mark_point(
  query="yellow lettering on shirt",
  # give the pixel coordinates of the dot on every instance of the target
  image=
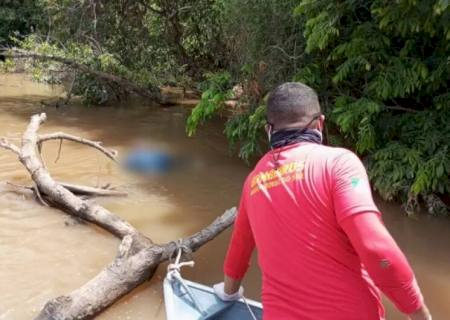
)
(268, 179)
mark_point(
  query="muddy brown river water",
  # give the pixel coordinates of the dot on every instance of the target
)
(44, 254)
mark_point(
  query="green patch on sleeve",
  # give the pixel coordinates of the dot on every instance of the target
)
(355, 181)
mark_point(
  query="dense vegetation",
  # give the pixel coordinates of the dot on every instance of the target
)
(381, 69)
(18, 17)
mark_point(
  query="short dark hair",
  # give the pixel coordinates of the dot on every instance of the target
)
(292, 102)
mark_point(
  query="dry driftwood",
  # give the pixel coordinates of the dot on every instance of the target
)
(76, 189)
(152, 93)
(137, 258)
(112, 154)
(91, 191)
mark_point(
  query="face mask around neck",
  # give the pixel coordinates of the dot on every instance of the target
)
(285, 137)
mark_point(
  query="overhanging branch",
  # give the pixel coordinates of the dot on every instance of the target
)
(152, 93)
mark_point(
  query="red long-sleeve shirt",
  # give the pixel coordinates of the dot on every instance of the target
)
(309, 210)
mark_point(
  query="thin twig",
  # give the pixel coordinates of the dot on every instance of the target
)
(92, 191)
(401, 109)
(39, 146)
(59, 150)
(79, 190)
(285, 53)
(110, 153)
(5, 144)
(19, 186)
(34, 189)
(38, 196)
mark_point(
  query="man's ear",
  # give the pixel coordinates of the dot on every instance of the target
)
(321, 122)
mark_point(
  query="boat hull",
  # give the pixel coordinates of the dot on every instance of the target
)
(181, 306)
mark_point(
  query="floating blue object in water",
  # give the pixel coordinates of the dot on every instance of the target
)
(149, 161)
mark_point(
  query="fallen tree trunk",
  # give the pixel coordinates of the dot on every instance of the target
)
(152, 92)
(137, 258)
(133, 265)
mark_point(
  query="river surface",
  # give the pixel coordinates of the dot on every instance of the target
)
(45, 254)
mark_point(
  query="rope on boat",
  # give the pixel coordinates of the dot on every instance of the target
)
(173, 272)
(249, 308)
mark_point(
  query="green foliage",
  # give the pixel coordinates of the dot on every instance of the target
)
(150, 42)
(216, 90)
(18, 18)
(263, 45)
(398, 169)
(381, 69)
(355, 119)
(7, 66)
(246, 132)
(416, 160)
(262, 31)
(84, 85)
(384, 68)
(320, 29)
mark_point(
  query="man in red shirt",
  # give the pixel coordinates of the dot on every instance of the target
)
(322, 246)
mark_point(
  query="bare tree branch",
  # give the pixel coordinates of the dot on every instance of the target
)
(59, 150)
(399, 108)
(78, 190)
(112, 154)
(39, 196)
(5, 144)
(198, 239)
(91, 191)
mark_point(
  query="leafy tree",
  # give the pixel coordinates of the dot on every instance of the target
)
(18, 18)
(150, 42)
(382, 70)
(384, 67)
(264, 47)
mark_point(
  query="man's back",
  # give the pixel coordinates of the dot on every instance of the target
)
(309, 211)
(310, 269)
